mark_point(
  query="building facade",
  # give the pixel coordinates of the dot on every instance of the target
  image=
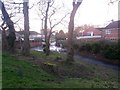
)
(111, 32)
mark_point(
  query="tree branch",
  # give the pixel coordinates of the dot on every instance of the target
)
(59, 21)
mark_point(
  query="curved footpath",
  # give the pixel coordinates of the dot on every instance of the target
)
(93, 60)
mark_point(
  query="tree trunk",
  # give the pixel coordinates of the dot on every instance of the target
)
(47, 51)
(11, 35)
(26, 44)
(4, 40)
(70, 53)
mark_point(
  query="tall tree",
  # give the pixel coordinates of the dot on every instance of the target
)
(70, 53)
(4, 37)
(11, 35)
(45, 29)
(26, 44)
(47, 16)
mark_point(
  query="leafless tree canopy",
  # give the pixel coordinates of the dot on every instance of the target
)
(48, 12)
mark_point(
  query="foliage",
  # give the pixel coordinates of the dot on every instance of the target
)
(111, 52)
(76, 46)
(52, 56)
(96, 47)
(85, 47)
(60, 36)
(108, 50)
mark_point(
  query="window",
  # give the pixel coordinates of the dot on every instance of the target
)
(90, 34)
(108, 31)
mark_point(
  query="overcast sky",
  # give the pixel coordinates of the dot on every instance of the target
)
(91, 12)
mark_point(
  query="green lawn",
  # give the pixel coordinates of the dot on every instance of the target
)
(24, 74)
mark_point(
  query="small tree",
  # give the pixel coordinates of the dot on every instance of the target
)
(60, 36)
(70, 52)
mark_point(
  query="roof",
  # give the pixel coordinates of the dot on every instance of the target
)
(31, 32)
(101, 28)
(88, 37)
(114, 24)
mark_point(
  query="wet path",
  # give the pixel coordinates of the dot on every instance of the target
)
(96, 62)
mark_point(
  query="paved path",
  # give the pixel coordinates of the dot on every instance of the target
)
(97, 62)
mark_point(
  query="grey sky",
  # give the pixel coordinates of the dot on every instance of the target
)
(91, 12)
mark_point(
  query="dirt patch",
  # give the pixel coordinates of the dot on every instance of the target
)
(75, 71)
(68, 71)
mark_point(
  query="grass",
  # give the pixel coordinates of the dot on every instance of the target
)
(24, 74)
(52, 56)
(18, 73)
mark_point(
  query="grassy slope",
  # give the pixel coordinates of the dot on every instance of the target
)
(19, 73)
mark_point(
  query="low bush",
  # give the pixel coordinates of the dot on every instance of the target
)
(111, 52)
(95, 48)
(85, 47)
(108, 50)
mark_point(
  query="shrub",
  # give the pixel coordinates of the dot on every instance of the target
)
(88, 47)
(82, 48)
(96, 47)
(76, 46)
(111, 52)
(118, 49)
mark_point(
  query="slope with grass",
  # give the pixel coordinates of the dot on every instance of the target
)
(25, 74)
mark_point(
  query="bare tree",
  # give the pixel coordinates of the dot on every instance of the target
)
(4, 39)
(11, 36)
(45, 30)
(13, 9)
(26, 44)
(55, 24)
(47, 17)
(70, 53)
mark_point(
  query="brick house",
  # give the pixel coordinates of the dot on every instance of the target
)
(34, 37)
(111, 31)
(90, 33)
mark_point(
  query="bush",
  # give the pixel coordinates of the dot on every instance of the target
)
(88, 47)
(76, 46)
(82, 48)
(96, 48)
(111, 52)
